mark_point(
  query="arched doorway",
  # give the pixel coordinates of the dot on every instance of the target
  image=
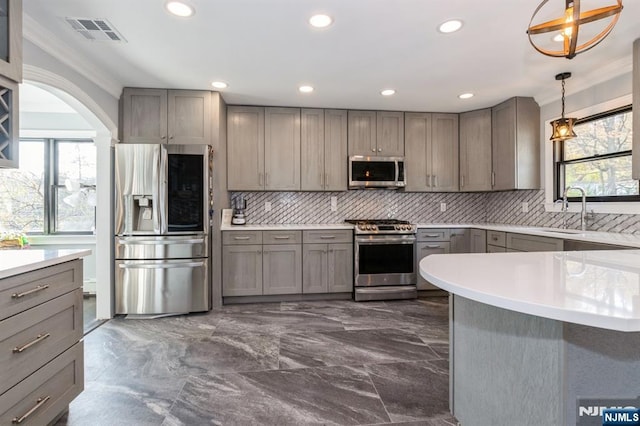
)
(105, 134)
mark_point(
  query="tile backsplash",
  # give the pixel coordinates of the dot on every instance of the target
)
(461, 207)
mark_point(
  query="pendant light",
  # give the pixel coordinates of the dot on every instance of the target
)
(562, 128)
(569, 25)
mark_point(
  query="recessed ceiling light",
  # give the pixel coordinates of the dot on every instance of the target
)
(305, 89)
(466, 96)
(219, 84)
(320, 21)
(180, 9)
(387, 92)
(450, 26)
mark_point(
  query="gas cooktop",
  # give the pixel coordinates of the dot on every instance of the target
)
(382, 226)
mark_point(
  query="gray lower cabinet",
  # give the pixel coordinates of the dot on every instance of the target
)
(282, 269)
(460, 240)
(523, 242)
(328, 268)
(424, 249)
(242, 270)
(477, 241)
(41, 351)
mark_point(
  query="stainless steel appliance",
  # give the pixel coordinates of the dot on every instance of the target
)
(384, 260)
(376, 172)
(163, 208)
(239, 207)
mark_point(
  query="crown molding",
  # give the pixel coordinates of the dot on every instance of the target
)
(50, 43)
(596, 76)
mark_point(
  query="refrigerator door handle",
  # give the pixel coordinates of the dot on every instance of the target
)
(161, 242)
(160, 265)
(161, 206)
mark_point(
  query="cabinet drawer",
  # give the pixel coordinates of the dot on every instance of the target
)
(30, 339)
(39, 398)
(30, 289)
(329, 236)
(495, 249)
(282, 237)
(496, 238)
(241, 237)
(522, 242)
(433, 235)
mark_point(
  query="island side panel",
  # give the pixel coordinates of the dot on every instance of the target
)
(600, 364)
(506, 366)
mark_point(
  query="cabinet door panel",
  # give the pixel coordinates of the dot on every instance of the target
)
(362, 133)
(315, 279)
(335, 150)
(189, 119)
(11, 40)
(475, 150)
(444, 152)
(340, 268)
(423, 250)
(312, 149)
(478, 241)
(245, 148)
(242, 270)
(282, 149)
(390, 133)
(417, 142)
(282, 269)
(459, 241)
(503, 127)
(144, 116)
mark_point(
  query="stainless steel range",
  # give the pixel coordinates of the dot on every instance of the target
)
(384, 261)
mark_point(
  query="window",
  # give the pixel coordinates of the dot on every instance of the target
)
(53, 191)
(598, 160)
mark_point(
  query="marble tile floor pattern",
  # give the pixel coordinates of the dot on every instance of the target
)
(289, 363)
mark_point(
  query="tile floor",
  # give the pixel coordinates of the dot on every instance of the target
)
(334, 362)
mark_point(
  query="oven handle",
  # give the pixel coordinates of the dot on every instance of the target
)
(385, 240)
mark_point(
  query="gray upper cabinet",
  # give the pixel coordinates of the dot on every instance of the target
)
(431, 146)
(516, 144)
(245, 148)
(165, 116)
(9, 123)
(282, 149)
(390, 133)
(323, 150)
(475, 150)
(362, 133)
(376, 133)
(11, 39)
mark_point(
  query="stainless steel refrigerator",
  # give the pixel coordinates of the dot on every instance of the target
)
(163, 205)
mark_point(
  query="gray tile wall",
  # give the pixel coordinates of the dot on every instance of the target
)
(496, 207)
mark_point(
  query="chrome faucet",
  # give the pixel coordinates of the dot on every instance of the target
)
(583, 211)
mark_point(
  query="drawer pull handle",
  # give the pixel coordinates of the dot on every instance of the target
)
(327, 237)
(282, 238)
(26, 293)
(434, 246)
(432, 235)
(39, 338)
(494, 238)
(241, 238)
(39, 403)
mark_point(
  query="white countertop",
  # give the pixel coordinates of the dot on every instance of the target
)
(227, 226)
(14, 262)
(594, 288)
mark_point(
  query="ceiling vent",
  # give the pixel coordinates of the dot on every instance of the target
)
(96, 29)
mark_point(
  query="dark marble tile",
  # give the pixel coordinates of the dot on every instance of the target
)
(333, 395)
(412, 390)
(331, 304)
(351, 347)
(434, 331)
(248, 307)
(276, 322)
(442, 349)
(123, 401)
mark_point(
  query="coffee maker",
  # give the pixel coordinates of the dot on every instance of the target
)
(239, 206)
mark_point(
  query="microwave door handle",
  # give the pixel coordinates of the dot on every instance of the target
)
(397, 171)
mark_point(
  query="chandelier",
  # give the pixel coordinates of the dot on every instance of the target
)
(562, 128)
(569, 26)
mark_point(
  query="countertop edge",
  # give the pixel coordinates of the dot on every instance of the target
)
(31, 265)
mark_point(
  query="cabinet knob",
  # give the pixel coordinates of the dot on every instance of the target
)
(171, 137)
(373, 149)
(163, 137)
(379, 149)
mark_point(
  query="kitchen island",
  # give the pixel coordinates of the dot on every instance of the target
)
(541, 338)
(41, 351)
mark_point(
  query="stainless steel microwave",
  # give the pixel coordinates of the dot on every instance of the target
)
(376, 172)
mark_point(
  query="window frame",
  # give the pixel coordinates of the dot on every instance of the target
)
(559, 162)
(51, 185)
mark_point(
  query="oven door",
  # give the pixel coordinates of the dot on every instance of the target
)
(384, 260)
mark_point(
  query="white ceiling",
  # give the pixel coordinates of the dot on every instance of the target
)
(265, 49)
